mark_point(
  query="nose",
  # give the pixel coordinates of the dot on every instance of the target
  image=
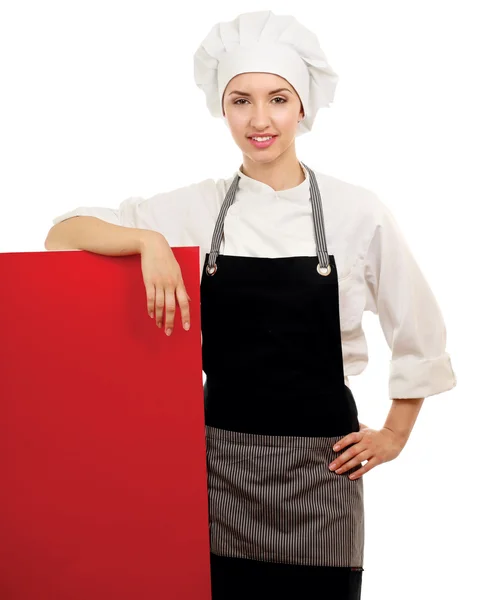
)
(260, 118)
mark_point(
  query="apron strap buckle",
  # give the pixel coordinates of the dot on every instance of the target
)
(323, 270)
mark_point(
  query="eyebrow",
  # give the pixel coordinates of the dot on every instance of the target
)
(273, 92)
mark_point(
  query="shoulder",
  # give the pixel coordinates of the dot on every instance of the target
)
(212, 191)
(203, 189)
(353, 213)
(187, 200)
(348, 194)
(353, 203)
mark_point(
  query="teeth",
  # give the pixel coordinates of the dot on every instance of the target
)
(262, 139)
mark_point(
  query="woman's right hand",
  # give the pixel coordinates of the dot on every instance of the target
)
(163, 281)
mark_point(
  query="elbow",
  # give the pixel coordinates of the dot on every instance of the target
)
(48, 242)
(57, 238)
(51, 241)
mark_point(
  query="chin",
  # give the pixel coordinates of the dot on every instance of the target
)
(264, 156)
(267, 158)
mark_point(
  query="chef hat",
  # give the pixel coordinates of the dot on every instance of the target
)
(264, 42)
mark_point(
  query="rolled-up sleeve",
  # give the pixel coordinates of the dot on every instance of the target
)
(409, 315)
(111, 215)
(134, 211)
(174, 213)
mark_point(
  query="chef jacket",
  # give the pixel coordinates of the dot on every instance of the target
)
(376, 269)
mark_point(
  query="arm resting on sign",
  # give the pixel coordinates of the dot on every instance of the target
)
(98, 236)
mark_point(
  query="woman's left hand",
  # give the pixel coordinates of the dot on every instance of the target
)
(375, 446)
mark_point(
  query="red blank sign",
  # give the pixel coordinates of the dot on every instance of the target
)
(102, 445)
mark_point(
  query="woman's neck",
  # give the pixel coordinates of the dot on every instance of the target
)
(282, 174)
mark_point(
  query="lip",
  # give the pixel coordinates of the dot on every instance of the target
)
(262, 135)
(263, 144)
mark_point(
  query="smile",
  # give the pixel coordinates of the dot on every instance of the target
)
(263, 142)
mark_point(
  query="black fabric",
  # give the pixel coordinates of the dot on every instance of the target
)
(272, 348)
(255, 580)
(272, 354)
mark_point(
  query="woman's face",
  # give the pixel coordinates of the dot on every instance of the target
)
(255, 104)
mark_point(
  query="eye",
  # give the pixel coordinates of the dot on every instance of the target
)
(276, 98)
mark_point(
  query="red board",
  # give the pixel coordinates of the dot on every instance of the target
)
(102, 444)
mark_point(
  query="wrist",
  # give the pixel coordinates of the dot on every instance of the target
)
(147, 237)
(400, 437)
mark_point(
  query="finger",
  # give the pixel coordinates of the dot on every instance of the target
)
(169, 309)
(159, 304)
(183, 300)
(356, 460)
(348, 455)
(150, 291)
(352, 438)
(365, 468)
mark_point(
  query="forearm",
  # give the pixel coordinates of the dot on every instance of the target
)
(402, 416)
(95, 235)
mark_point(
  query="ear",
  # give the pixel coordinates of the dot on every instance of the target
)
(222, 104)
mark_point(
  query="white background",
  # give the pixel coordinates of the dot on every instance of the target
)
(98, 103)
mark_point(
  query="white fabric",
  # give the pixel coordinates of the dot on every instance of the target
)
(263, 42)
(377, 271)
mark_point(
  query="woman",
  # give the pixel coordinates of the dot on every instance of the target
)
(290, 260)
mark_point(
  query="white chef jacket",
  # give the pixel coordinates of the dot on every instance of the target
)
(376, 269)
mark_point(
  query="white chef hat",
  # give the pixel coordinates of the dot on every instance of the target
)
(264, 42)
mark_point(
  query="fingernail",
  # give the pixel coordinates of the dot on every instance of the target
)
(168, 331)
(151, 315)
(332, 466)
(336, 447)
(186, 326)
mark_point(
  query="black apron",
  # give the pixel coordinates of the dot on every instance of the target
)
(282, 525)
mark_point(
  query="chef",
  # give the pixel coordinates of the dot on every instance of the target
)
(290, 259)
